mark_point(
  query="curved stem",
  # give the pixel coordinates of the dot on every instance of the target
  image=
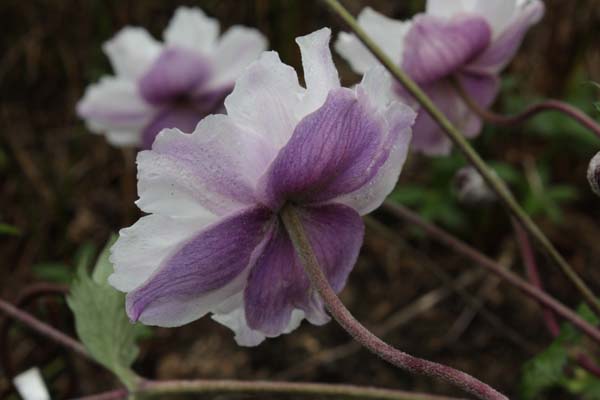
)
(486, 262)
(361, 334)
(462, 143)
(548, 105)
(44, 329)
(288, 388)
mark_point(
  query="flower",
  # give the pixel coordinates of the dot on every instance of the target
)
(469, 41)
(593, 174)
(168, 85)
(214, 241)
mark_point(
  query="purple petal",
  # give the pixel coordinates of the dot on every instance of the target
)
(278, 284)
(435, 47)
(503, 48)
(483, 89)
(428, 137)
(333, 151)
(207, 262)
(183, 118)
(173, 76)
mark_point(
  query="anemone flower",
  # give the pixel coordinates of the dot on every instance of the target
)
(465, 42)
(214, 241)
(167, 85)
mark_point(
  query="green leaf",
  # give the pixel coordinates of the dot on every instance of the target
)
(544, 371)
(100, 319)
(53, 272)
(9, 230)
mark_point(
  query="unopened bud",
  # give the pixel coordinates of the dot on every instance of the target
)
(594, 174)
(471, 188)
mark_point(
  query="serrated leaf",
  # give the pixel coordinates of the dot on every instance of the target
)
(100, 319)
(544, 371)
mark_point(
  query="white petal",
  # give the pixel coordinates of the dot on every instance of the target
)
(266, 98)
(191, 28)
(237, 48)
(386, 32)
(355, 53)
(498, 13)
(446, 8)
(379, 85)
(142, 248)
(131, 52)
(320, 74)
(231, 314)
(114, 105)
(212, 171)
(123, 138)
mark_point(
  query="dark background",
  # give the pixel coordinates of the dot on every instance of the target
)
(63, 189)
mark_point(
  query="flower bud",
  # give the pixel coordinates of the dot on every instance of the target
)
(471, 188)
(593, 174)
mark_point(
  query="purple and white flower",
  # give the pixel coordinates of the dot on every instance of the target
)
(167, 85)
(467, 40)
(213, 241)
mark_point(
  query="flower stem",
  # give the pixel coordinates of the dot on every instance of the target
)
(528, 255)
(285, 388)
(486, 262)
(533, 110)
(157, 388)
(44, 329)
(459, 140)
(361, 334)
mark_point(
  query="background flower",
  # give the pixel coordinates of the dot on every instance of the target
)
(469, 41)
(214, 241)
(168, 85)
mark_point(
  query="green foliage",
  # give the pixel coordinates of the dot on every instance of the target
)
(100, 318)
(53, 272)
(9, 230)
(548, 369)
(435, 200)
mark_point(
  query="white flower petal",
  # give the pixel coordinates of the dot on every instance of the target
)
(114, 105)
(265, 99)
(236, 49)
(191, 28)
(387, 33)
(498, 13)
(212, 171)
(444, 8)
(142, 248)
(320, 74)
(131, 52)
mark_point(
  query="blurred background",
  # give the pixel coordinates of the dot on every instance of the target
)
(64, 191)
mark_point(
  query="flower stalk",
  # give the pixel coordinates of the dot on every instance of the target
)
(489, 264)
(362, 335)
(496, 183)
(530, 112)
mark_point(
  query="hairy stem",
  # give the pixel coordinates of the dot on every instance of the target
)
(462, 143)
(530, 112)
(158, 388)
(284, 388)
(475, 255)
(361, 334)
(44, 329)
(528, 255)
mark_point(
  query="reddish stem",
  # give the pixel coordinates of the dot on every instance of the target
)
(462, 248)
(43, 328)
(361, 334)
(529, 260)
(533, 110)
